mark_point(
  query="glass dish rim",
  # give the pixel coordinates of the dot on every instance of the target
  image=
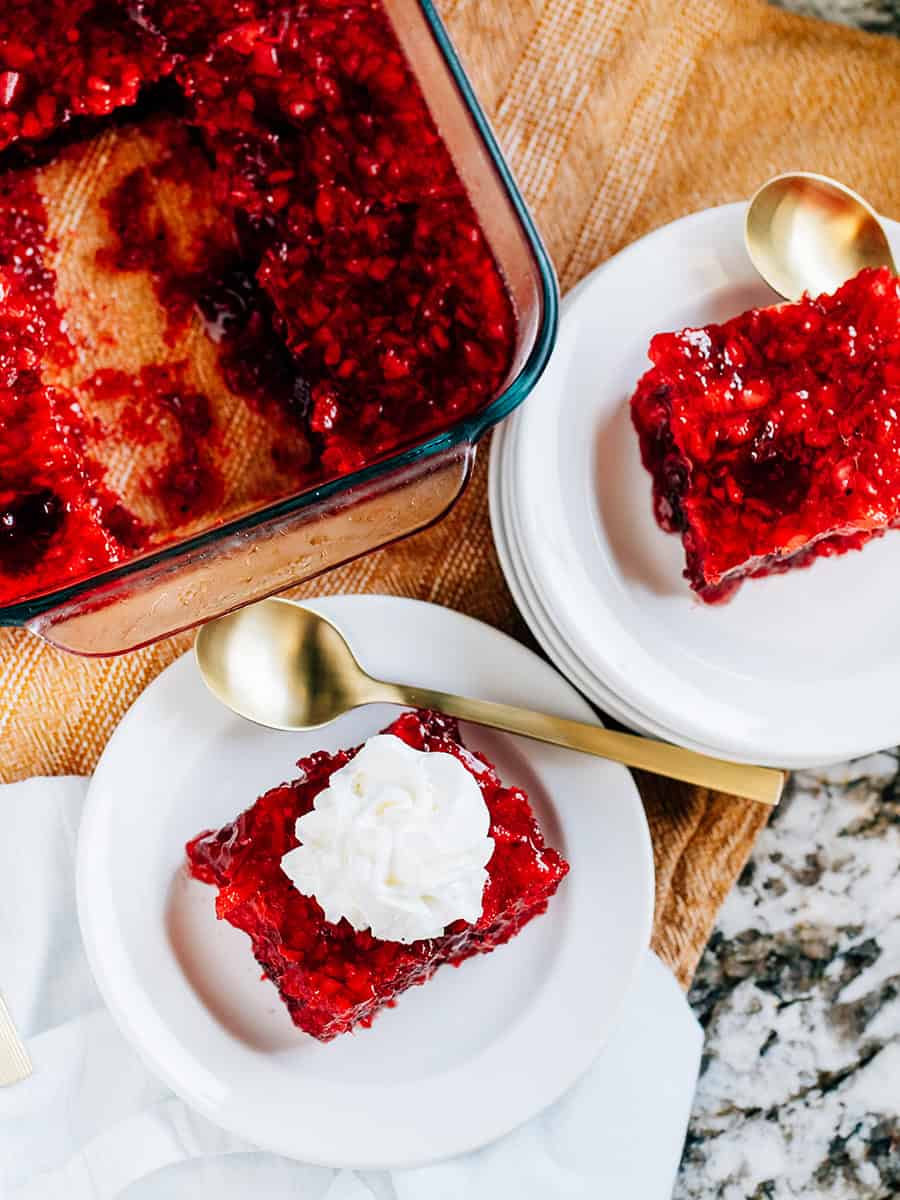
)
(468, 430)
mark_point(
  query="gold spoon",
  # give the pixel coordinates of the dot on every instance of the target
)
(809, 233)
(286, 667)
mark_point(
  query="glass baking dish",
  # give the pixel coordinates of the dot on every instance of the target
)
(294, 539)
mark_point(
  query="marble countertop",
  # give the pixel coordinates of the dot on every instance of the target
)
(799, 995)
(877, 16)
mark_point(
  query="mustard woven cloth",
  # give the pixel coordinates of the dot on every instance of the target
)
(618, 116)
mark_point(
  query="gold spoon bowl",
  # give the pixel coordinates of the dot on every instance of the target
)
(286, 667)
(809, 233)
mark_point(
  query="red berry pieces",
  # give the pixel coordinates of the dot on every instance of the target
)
(775, 438)
(28, 522)
(52, 503)
(61, 59)
(348, 288)
(331, 977)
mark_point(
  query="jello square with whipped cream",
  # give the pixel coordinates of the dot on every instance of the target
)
(774, 438)
(374, 867)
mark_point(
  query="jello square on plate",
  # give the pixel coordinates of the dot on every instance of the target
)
(332, 974)
(774, 438)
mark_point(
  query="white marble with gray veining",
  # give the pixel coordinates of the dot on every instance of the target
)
(877, 16)
(799, 993)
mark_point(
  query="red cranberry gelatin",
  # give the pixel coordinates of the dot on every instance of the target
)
(774, 439)
(332, 977)
(347, 283)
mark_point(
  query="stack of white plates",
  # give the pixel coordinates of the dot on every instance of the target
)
(796, 669)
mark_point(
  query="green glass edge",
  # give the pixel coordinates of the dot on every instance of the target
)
(468, 430)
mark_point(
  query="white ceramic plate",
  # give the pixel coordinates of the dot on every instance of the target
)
(515, 570)
(796, 669)
(458, 1062)
(515, 567)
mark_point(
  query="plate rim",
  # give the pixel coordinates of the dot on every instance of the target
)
(90, 838)
(531, 606)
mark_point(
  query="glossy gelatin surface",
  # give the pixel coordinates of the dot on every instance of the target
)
(774, 439)
(330, 976)
(343, 276)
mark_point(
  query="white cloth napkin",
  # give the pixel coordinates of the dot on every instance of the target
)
(92, 1124)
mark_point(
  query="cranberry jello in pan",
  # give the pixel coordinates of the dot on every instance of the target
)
(774, 439)
(264, 281)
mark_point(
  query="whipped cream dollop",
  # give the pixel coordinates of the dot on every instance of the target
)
(397, 843)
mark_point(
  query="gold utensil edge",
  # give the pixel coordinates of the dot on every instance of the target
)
(764, 785)
(15, 1063)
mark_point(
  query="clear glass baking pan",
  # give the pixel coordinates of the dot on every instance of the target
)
(273, 547)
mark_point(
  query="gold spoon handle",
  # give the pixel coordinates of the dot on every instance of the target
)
(762, 784)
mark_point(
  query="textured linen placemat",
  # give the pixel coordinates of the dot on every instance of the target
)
(617, 115)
